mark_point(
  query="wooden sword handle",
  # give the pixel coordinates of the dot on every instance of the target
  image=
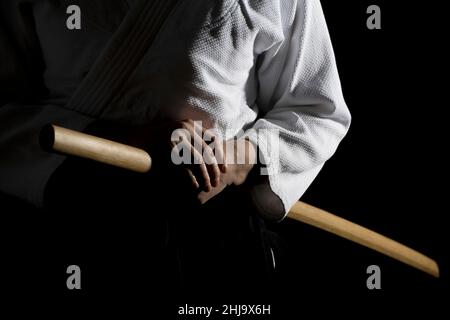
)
(98, 149)
(79, 144)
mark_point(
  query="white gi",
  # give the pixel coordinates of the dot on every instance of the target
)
(235, 64)
(268, 65)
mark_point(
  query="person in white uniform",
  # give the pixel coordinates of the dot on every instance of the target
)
(259, 71)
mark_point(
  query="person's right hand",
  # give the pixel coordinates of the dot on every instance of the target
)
(204, 166)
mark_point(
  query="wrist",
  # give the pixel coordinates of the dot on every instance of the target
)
(245, 158)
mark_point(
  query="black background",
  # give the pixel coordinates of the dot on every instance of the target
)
(389, 173)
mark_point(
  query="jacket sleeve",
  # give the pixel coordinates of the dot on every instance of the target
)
(300, 96)
(24, 167)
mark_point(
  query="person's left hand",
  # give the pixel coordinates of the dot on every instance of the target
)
(240, 158)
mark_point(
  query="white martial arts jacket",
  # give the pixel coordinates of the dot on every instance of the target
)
(264, 69)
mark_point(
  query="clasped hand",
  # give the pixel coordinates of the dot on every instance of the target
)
(212, 164)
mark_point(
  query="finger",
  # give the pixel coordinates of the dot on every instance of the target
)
(200, 170)
(213, 153)
(188, 160)
(211, 164)
(193, 179)
(218, 146)
(195, 159)
(206, 153)
(229, 152)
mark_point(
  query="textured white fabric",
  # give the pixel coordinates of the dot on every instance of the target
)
(261, 64)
